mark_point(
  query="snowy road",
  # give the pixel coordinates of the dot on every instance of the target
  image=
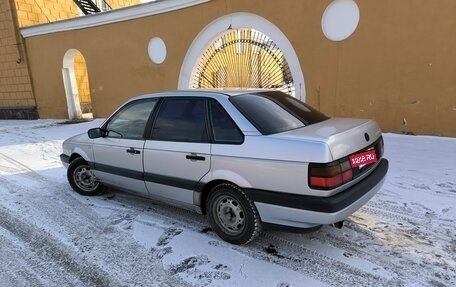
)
(51, 236)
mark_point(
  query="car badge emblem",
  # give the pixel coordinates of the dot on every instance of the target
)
(366, 136)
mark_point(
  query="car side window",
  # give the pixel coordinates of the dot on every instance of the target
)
(181, 119)
(130, 122)
(224, 129)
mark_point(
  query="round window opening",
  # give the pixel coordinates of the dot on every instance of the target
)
(157, 50)
(340, 19)
(241, 59)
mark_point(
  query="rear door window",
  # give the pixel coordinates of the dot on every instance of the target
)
(181, 119)
(224, 129)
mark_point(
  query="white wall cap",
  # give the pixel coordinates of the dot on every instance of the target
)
(108, 17)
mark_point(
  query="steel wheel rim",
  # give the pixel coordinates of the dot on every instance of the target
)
(85, 179)
(229, 215)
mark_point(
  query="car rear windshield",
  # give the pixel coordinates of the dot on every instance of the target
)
(274, 112)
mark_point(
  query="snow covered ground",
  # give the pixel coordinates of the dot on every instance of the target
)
(51, 236)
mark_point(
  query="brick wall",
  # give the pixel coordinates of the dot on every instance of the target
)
(16, 90)
(122, 3)
(82, 78)
(16, 96)
(31, 12)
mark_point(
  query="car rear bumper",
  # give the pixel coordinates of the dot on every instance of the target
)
(308, 211)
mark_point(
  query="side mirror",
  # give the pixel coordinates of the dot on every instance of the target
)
(95, 133)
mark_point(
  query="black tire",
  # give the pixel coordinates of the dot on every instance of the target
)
(232, 215)
(82, 179)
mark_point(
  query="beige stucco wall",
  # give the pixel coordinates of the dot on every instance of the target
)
(399, 67)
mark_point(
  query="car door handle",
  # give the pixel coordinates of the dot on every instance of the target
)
(133, 151)
(195, 157)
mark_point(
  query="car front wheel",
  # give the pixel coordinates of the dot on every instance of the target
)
(232, 214)
(82, 179)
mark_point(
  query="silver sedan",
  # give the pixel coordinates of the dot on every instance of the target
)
(247, 159)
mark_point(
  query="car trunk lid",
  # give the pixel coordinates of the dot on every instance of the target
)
(343, 136)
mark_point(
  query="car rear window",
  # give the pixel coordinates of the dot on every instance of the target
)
(274, 112)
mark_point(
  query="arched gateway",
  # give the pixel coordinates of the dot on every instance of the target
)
(242, 50)
(76, 83)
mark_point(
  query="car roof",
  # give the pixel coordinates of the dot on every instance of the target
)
(198, 92)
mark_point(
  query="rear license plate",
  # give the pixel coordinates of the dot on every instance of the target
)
(361, 159)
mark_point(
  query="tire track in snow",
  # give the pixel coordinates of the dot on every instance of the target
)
(22, 168)
(386, 209)
(403, 236)
(15, 255)
(44, 246)
(326, 269)
(269, 247)
(399, 215)
(292, 255)
(69, 234)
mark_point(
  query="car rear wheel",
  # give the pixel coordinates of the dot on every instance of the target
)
(82, 179)
(232, 214)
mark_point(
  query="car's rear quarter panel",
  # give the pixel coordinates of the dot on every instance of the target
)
(266, 163)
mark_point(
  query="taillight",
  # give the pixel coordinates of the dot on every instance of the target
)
(329, 176)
